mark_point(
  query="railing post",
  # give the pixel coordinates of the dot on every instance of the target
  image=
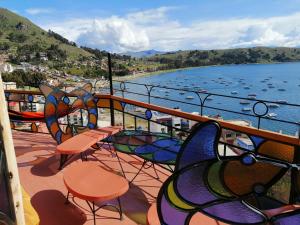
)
(112, 112)
(10, 164)
(295, 187)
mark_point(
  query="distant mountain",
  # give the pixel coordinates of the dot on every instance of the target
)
(142, 54)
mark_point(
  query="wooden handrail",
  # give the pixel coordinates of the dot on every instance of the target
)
(227, 125)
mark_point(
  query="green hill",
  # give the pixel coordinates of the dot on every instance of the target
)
(20, 37)
(192, 58)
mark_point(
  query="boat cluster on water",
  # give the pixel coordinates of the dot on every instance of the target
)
(185, 89)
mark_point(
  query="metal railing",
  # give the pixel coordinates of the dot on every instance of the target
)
(260, 112)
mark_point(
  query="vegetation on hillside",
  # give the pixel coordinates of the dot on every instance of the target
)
(17, 31)
(193, 58)
(22, 78)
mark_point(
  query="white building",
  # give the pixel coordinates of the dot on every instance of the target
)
(6, 68)
(158, 127)
(9, 85)
(245, 143)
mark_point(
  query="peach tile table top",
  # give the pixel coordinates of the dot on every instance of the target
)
(90, 182)
(85, 140)
(197, 218)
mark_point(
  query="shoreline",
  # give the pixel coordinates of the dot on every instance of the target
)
(146, 74)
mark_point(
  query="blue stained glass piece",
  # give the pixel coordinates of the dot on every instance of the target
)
(248, 159)
(51, 99)
(86, 96)
(58, 136)
(91, 125)
(96, 99)
(50, 120)
(93, 111)
(123, 104)
(256, 140)
(162, 150)
(7, 94)
(148, 114)
(199, 146)
(164, 156)
(30, 98)
(66, 100)
(259, 189)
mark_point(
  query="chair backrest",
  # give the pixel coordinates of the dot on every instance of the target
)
(57, 104)
(229, 189)
(200, 145)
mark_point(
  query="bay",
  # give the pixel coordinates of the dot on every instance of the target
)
(271, 82)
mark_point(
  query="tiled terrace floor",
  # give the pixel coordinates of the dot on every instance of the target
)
(40, 177)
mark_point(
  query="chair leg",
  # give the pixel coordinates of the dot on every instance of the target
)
(111, 151)
(67, 198)
(157, 177)
(63, 160)
(121, 165)
(94, 213)
(144, 163)
(120, 207)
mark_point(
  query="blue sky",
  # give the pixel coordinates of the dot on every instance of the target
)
(133, 25)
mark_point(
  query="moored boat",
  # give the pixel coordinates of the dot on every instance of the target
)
(243, 102)
(272, 105)
(282, 101)
(246, 109)
(189, 97)
(271, 115)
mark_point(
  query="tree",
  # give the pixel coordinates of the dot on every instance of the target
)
(16, 37)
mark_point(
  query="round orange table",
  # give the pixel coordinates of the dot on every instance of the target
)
(90, 182)
(198, 218)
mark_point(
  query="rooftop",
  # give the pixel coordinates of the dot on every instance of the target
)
(38, 168)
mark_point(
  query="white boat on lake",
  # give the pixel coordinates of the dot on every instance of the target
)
(273, 105)
(243, 102)
(282, 101)
(189, 97)
(281, 89)
(271, 115)
(234, 92)
(246, 109)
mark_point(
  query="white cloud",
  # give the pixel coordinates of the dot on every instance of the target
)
(114, 34)
(36, 11)
(154, 29)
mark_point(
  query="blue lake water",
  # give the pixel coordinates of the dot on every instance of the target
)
(270, 82)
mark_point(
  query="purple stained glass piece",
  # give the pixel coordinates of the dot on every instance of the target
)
(288, 220)
(191, 186)
(199, 146)
(235, 212)
(171, 215)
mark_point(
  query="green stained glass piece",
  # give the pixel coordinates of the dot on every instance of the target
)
(214, 180)
(124, 148)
